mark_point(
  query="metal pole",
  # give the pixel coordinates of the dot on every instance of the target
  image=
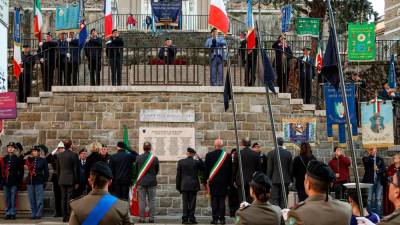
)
(345, 103)
(236, 130)
(271, 118)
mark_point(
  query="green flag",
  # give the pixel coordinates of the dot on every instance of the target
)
(307, 26)
(126, 139)
(361, 42)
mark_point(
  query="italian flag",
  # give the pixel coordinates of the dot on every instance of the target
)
(318, 59)
(218, 16)
(37, 20)
(108, 24)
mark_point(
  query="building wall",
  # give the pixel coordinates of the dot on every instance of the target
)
(392, 19)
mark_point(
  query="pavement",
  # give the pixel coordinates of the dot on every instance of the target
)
(161, 220)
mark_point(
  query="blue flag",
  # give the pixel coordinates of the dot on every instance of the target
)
(330, 68)
(287, 13)
(265, 70)
(227, 91)
(83, 34)
(392, 73)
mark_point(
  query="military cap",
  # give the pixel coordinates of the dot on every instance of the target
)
(102, 169)
(49, 34)
(191, 150)
(35, 148)
(121, 144)
(82, 150)
(26, 46)
(19, 146)
(320, 171)
(11, 144)
(43, 148)
(262, 179)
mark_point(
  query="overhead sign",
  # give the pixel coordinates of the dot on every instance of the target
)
(361, 42)
(8, 105)
(4, 12)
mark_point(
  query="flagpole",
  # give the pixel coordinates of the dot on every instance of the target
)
(236, 130)
(345, 104)
(271, 118)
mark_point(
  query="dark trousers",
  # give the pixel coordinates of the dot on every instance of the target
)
(283, 77)
(233, 200)
(57, 199)
(251, 66)
(66, 196)
(121, 191)
(62, 70)
(301, 193)
(339, 191)
(116, 70)
(305, 88)
(247, 192)
(218, 207)
(72, 74)
(47, 75)
(81, 190)
(277, 195)
(95, 69)
(189, 204)
(24, 86)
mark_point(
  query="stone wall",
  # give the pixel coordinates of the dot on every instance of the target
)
(87, 114)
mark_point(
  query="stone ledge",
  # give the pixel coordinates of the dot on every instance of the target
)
(46, 94)
(33, 100)
(285, 95)
(182, 89)
(21, 105)
(296, 101)
(309, 107)
(320, 112)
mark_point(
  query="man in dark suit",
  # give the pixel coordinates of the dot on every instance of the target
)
(121, 166)
(73, 60)
(218, 180)
(250, 164)
(93, 50)
(47, 57)
(167, 52)
(187, 183)
(68, 176)
(273, 172)
(25, 79)
(62, 58)
(115, 52)
(261, 157)
(82, 178)
(307, 73)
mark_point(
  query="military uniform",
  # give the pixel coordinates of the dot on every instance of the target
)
(82, 207)
(259, 213)
(316, 211)
(392, 219)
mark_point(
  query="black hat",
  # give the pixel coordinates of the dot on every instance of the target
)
(262, 179)
(12, 144)
(384, 82)
(168, 39)
(82, 150)
(114, 30)
(280, 141)
(19, 146)
(26, 46)
(93, 29)
(103, 169)
(43, 148)
(306, 47)
(35, 148)
(103, 145)
(121, 144)
(320, 171)
(191, 150)
(49, 34)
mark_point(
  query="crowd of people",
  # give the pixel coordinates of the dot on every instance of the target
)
(220, 173)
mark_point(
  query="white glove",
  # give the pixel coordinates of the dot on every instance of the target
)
(68, 55)
(363, 221)
(40, 44)
(244, 204)
(54, 151)
(68, 39)
(41, 60)
(285, 213)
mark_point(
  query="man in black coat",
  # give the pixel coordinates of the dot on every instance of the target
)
(47, 57)
(52, 160)
(25, 79)
(187, 183)
(62, 60)
(68, 176)
(167, 52)
(121, 166)
(261, 157)
(93, 49)
(82, 178)
(274, 175)
(219, 182)
(114, 53)
(307, 74)
(73, 60)
(250, 164)
(283, 55)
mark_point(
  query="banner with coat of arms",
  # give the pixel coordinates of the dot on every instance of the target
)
(361, 42)
(308, 26)
(299, 129)
(67, 18)
(335, 110)
(377, 123)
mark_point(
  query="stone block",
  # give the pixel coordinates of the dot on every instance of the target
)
(80, 134)
(33, 100)
(162, 179)
(29, 140)
(57, 109)
(211, 135)
(227, 135)
(51, 134)
(123, 115)
(77, 116)
(64, 134)
(128, 107)
(100, 107)
(40, 108)
(48, 116)
(218, 108)
(220, 126)
(216, 117)
(42, 137)
(89, 116)
(226, 117)
(107, 98)
(29, 116)
(73, 125)
(110, 124)
(58, 101)
(130, 124)
(166, 202)
(27, 125)
(62, 116)
(88, 125)
(57, 125)
(248, 126)
(256, 108)
(172, 105)
(168, 169)
(114, 107)
(12, 125)
(176, 202)
(79, 107)
(251, 117)
(43, 125)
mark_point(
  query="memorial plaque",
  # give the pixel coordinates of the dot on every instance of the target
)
(8, 105)
(169, 143)
(167, 116)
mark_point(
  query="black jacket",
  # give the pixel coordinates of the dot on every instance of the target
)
(48, 52)
(279, 53)
(150, 178)
(75, 52)
(187, 174)
(171, 53)
(67, 168)
(383, 94)
(368, 162)
(11, 171)
(93, 50)
(300, 168)
(28, 64)
(306, 68)
(38, 170)
(250, 164)
(52, 160)
(115, 48)
(263, 159)
(273, 170)
(121, 166)
(93, 158)
(82, 176)
(222, 180)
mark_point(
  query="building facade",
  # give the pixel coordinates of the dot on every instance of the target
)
(392, 19)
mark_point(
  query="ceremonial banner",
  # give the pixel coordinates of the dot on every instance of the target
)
(335, 110)
(361, 42)
(287, 13)
(377, 123)
(166, 12)
(300, 129)
(308, 26)
(67, 18)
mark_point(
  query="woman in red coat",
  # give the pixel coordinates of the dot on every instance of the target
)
(388, 206)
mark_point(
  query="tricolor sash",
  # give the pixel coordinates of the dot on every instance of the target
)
(217, 165)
